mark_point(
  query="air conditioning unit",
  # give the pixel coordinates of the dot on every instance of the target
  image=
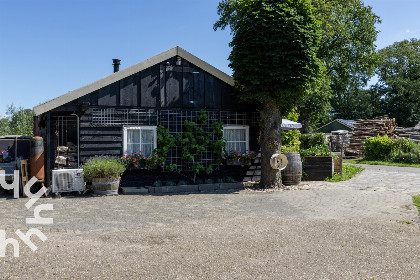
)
(67, 180)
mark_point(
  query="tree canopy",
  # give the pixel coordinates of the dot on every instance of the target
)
(273, 48)
(347, 49)
(399, 81)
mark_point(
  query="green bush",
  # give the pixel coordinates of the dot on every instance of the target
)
(311, 140)
(318, 150)
(103, 167)
(379, 147)
(391, 149)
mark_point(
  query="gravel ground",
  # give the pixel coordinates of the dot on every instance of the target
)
(365, 228)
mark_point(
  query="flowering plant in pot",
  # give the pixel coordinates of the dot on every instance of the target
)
(140, 160)
(104, 173)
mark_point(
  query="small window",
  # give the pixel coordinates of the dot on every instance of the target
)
(237, 138)
(139, 139)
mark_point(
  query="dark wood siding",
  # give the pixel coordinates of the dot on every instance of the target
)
(109, 95)
(164, 85)
(129, 91)
(98, 141)
(150, 87)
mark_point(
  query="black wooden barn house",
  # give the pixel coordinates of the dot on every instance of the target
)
(120, 112)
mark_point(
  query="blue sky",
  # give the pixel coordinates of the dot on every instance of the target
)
(50, 47)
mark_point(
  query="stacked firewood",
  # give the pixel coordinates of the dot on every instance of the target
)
(368, 128)
(66, 156)
(412, 133)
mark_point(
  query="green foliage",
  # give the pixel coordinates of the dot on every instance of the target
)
(19, 122)
(391, 149)
(381, 162)
(290, 138)
(416, 201)
(347, 48)
(157, 183)
(219, 145)
(311, 140)
(165, 141)
(399, 81)
(170, 183)
(318, 150)
(379, 147)
(273, 49)
(103, 167)
(349, 171)
(5, 127)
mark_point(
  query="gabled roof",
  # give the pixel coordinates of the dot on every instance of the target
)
(347, 123)
(176, 51)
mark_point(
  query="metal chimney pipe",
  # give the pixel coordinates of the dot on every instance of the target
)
(116, 63)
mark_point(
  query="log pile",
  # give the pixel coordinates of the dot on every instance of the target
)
(66, 156)
(412, 133)
(368, 128)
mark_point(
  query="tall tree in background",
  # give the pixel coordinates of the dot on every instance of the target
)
(273, 60)
(19, 121)
(399, 81)
(347, 49)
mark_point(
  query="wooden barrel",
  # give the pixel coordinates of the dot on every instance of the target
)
(105, 186)
(37, 158)
(292, 174)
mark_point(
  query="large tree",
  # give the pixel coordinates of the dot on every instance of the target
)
(399, 81)
(347, 49)
(273, 60)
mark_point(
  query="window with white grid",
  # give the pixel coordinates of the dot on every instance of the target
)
(139, 139)
(236, 137)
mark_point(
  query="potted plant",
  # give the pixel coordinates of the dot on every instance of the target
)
(318, 163)
(104, 173)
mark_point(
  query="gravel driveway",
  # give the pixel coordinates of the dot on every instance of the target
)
(365, 228)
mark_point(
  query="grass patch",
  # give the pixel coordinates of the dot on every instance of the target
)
(416, 200)
(349, 171)
(380, 162)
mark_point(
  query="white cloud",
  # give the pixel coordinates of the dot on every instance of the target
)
(408, 31)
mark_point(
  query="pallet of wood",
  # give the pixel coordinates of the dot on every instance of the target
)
(368, 128)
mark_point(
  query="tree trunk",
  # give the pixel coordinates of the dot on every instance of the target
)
(270, 143)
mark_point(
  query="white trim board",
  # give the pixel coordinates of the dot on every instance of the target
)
(176, 51)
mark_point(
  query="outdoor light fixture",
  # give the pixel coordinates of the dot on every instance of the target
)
(178, 61)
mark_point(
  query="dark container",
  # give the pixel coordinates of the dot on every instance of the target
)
(292, 174)
(37, 158)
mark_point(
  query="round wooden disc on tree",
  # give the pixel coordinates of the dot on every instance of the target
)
(278, 161)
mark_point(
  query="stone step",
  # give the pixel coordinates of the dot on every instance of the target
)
(134, 190)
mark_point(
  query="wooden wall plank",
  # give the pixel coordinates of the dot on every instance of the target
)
(188, 90)
(149, 82)
(212, 92)
(173, 89)
(101, 145)
(199, 99)
(162, 79)
(128, 91)
(226, 92)
(109, 95)
(100, 138)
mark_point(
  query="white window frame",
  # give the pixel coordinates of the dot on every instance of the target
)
(246, 127)
(139, 127)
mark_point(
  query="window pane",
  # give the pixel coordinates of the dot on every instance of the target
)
(133, 148)
(133, 136)
(241, 146)
(230, 146)
(241, 134)
(147, 149)
(147, 136)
